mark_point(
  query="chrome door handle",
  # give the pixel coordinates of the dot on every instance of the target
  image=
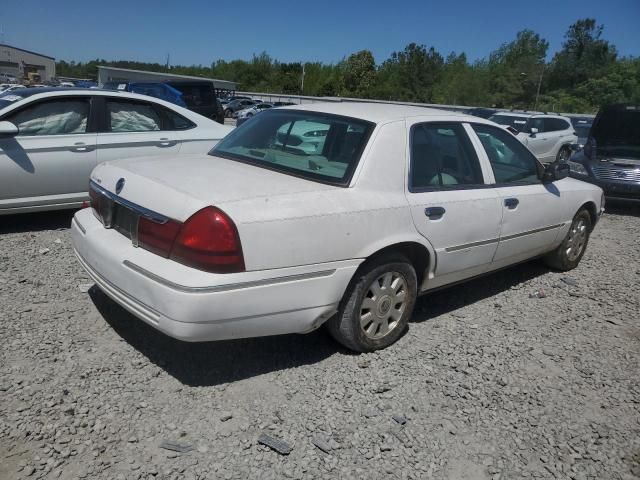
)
(79, 147)
(165, 142)
(434, 213)
(511, 203)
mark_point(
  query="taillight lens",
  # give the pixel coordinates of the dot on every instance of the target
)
(209, 241)
(156, 237)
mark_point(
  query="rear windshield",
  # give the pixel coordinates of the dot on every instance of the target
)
(196, 95)
(582, 131)
(518, 123)
(316, 146)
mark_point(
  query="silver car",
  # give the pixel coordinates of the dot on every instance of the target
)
(52, 138)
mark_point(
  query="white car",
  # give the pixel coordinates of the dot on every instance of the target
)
(52, 138)
(258, 238)
(9, 87)
(549, 137)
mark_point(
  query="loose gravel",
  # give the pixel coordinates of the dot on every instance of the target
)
(492, 381)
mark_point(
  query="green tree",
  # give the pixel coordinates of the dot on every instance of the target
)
(584, 55)
(359, 74)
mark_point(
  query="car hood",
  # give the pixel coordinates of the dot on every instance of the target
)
(616, 131)
(179, 186)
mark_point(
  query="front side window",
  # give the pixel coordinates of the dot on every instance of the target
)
(127, 116)
(313, 145)
(442, 157)
(510, 160)
(54, 117)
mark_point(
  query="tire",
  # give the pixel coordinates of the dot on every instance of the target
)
(563, 154)
(228, 113)
(568, 255)
(373, 290)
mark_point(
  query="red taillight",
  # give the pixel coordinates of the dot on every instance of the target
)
(156, 237)
(209, 241)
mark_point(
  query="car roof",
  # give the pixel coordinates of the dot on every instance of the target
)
(375, 112)
(46, 92)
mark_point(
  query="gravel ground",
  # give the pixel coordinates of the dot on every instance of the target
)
(494, 379)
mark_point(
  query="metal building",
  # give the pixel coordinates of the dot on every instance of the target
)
(25, 65)
(113, 74)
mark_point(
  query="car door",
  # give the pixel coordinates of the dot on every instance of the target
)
(451, 204)
(133, 128)
(531, 210)
(49, 161)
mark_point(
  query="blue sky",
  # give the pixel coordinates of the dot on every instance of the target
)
(198, 32)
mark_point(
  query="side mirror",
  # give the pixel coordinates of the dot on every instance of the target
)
(533, 131)
(555, 171)
(8, 130)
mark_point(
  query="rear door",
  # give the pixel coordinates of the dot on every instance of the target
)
(133, 128)
(531, 211)
(451, 203)
(49, 161)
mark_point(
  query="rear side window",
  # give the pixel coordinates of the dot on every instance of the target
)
(54, 117)
(175, 121)
(442, 156)
(131, 116)
(510, 160)
(555, 124)
(312, 145)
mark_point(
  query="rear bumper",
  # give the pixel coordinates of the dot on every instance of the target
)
(208, 306)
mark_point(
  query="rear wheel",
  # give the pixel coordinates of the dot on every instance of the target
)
(568, 255)
(228, 113)
(377, 305)
(563, 154)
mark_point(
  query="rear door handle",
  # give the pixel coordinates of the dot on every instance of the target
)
(165, 142)
(511, 203)
(434, 213)
(79, 147)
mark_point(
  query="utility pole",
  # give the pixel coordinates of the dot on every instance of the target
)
(535, 107)
(302, 83)
(167, 62)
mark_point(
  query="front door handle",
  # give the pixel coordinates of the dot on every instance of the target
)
(79, 147)
(434, 213)
(511, 203)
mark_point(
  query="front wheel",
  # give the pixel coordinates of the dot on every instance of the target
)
(568, 255)
(377, 305)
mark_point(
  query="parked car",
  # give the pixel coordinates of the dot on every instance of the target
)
(263, 238)
(611, 154)
(549, 137)
(196, 95)
(200, 96)
(51, 139)
(237, 105)
(244, 115)
(11, 87)
(482, 112)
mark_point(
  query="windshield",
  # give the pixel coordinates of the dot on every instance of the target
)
(316, 146)
(518, 123)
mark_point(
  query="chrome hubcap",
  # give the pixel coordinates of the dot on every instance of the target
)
(383, 305)
(577, 239)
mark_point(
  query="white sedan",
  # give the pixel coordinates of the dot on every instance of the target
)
(261, 237)
(52, 138)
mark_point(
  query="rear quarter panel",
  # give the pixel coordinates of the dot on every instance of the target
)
(332, 224)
